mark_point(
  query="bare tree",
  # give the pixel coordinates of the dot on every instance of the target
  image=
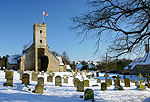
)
(124, 23)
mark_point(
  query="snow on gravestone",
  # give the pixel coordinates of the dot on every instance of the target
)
(127, 82)
(58, 81)
(89, 94)
(9, 77)
(25, 79)
(80, 86)
(40, 86)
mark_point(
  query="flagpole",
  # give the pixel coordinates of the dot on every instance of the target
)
(43, 18)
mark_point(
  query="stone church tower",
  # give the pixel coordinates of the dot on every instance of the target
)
(34, 56)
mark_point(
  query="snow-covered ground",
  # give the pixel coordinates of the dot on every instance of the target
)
(68, 93)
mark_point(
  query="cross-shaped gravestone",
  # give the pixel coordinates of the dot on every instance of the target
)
(118, 83)
(140, 76)
(106, 77)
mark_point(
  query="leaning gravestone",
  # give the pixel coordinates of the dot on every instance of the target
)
(50, 78)
(103, 86)
(86, 83)
(80, 86)
(25, 79)
(9, 76)
(58, 81)
(34, 76)
(98, 80)
(89, 94)
(127, 82)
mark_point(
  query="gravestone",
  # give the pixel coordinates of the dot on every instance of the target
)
(58, 81)
(89, 94)
(103, 86)
(25, 79)
(42, 73)
(127, 82)
(106, 79)
(40, 86)
(141, 86)
(86, 83)
(34, 76)
(50, 78)
(39, 89)
(148, 84)
(109, 81)
(122, 80)
(133, 81)
(98, 80)
(118, 87)
(66, 80)
(136, 83)
(41, 81)
(76, 80)
(28, 72)
(9, 77)
(80, 86)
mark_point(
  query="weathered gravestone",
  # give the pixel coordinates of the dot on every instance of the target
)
(148, 84)
(141, 86)
(76, 80)
(86, 83)
(66, 80)
(106, 79)
(127, 82)
(133, 81)
(98, 80)
(34, 76)
(50, 78)
(80, 86)
(40, 86)
(58, 81)
(25, 79)
(136, 83)
(109, 81)
(89, 94)
(103, 86)
(42, 73)
(122, 80)
(9, 77)
(118, 87)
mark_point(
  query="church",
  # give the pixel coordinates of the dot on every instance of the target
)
(38, 56)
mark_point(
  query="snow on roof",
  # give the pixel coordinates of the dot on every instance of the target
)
(68, 66)
(145, 60)
(13, 59)
(60, 60)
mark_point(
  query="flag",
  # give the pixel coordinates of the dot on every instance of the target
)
(44, 13)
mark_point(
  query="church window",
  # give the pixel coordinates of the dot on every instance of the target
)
(40, 41)
(40, 31)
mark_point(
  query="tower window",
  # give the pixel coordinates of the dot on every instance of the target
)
(40, 31)
(40, 41)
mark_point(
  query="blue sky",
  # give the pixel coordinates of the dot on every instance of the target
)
(18, 16)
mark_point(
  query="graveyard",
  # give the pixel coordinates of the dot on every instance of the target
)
(29, 86)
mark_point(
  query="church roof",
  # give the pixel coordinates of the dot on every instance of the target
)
(145, 60)
(12, 59)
